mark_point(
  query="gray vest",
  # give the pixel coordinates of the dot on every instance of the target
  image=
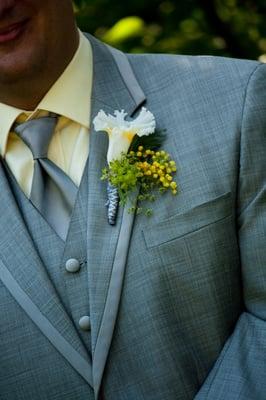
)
(72, 288)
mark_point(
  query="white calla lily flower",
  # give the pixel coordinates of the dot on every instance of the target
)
(122, 132)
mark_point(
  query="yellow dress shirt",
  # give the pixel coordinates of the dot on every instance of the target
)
(70, 98)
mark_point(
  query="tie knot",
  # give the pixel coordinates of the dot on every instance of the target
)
(37, 133)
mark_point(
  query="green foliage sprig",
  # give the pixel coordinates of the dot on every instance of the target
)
(149, 170)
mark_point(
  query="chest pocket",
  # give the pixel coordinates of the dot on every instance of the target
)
(189, 222)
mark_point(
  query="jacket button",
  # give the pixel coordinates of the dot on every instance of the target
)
(72, 265)
(84, 323)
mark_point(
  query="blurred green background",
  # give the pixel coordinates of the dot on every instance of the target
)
(219, 27)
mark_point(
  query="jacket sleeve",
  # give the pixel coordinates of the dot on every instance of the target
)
(240, 371)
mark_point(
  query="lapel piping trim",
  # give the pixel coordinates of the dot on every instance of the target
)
(129, 97)
(112, 301)
(123, 92)
(128, 76)
(58, 341)
(134, 96)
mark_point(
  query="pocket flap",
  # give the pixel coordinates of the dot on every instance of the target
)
(189, 221)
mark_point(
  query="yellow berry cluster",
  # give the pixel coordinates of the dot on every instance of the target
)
(157, 166)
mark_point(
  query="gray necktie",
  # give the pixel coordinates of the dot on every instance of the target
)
(53, 193)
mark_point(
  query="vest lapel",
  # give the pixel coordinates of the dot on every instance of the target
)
(107, 245)
(24, 275)
(76, 284)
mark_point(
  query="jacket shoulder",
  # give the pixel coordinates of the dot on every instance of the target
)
(163, 69)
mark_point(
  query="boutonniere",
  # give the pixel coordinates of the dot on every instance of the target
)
(134, 160)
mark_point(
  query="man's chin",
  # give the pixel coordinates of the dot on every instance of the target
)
(12, 76)
(19, 66)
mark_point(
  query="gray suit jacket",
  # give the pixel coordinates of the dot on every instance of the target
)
(177, 301)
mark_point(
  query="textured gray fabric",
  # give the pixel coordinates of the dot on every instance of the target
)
(72, 289)
(49, 250)
(186, 303)
(76, 285)
(62, 345)
(30, 364)
(53, 193)
(112, 301)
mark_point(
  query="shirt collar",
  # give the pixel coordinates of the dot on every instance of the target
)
(69, 96)
(8, 115)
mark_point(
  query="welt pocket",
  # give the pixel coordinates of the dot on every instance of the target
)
(192, 220)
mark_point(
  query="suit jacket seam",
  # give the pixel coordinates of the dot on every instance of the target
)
(242, 126)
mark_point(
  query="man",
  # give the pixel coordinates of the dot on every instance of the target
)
(166, 308)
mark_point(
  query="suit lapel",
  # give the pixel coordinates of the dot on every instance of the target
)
(22, 271)
(24, 275)
(115, 88)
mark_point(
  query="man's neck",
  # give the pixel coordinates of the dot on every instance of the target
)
(27, 95)
(23, 97)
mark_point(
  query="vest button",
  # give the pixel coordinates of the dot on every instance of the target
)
(72, 265)
(84, 323)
